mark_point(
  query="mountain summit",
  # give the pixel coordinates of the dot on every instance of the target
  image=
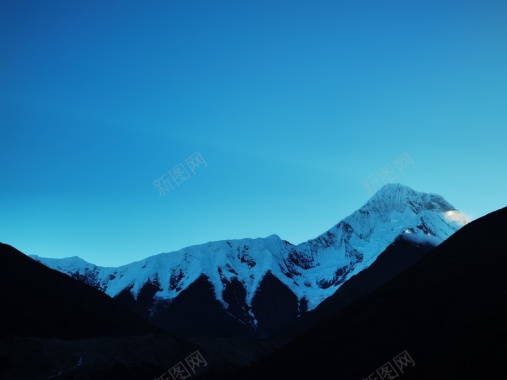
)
(258, 286)
(394, 196)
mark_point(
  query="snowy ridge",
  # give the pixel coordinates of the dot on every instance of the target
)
(313, 270)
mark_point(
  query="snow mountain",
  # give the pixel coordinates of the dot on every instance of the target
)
(255, 287)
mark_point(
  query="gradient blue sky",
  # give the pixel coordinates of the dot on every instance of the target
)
(291, 104)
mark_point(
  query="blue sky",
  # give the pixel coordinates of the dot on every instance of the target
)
(291, 106)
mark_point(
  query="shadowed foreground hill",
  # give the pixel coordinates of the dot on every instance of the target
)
(40, 302)
(448, 311)
(55, 327)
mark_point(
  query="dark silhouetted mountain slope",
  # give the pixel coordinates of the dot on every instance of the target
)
(399, 256)
(448, 311)
(40, 302)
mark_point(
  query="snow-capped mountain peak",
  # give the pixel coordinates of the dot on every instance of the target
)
(397, 197)
(312, 270)
(355, 242)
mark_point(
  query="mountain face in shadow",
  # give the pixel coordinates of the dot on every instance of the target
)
(398, 257)
(41, 302)
(443, 318)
